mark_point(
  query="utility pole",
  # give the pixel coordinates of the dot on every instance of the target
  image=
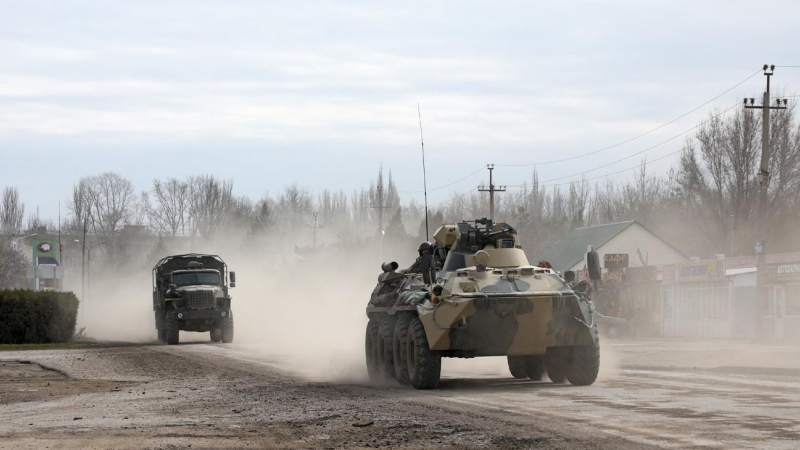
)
(491, 190)
(380, 207)
(83, 261)
(89, 264)
(314, 227)
(762, 291)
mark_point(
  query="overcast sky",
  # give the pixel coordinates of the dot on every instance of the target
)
(323, 93)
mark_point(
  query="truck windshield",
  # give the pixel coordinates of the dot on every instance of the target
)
(191, 278)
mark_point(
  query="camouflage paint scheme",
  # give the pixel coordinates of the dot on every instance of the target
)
(505, 307)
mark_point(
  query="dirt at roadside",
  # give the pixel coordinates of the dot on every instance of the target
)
(157, 397)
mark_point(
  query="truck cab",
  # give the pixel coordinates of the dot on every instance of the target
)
(190, 293)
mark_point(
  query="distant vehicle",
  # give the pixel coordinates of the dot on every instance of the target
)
(190, 293)
(611, 327)
(473, 293)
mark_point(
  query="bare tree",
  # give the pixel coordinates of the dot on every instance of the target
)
(170, 213)
(112, 203)
(12, 211)
(211, 200)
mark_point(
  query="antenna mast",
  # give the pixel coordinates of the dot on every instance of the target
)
(424, 175)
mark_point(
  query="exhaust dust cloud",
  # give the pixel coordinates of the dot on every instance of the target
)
(300, 314)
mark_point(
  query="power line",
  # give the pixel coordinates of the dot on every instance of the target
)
(446, 185)
(635, 137)
(639, 152)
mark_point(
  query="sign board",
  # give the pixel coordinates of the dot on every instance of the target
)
(788, 270)
(45, 251)
(48, 272)
(615, 261)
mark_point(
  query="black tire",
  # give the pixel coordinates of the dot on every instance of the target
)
(534, 367)
(371, 350)
(585, 364)
(226, 330)
(161, 329)
(424, 364)
(557, 361)
(399, 351)
(216, 335)
(171, 330)
(516, 364)
(386, 348)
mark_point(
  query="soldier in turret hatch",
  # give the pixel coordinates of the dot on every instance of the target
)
(425, 248)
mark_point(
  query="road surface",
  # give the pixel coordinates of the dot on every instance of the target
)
(651, 393)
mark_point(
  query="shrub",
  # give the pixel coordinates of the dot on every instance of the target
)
(31, 317)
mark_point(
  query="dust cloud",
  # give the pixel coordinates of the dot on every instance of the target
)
(301, 313)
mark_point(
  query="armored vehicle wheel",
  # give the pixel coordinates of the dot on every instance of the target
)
(386, 348)
(585, 364)
(424, 365)
(399, 351)
(162, 334)
(216, 335)
(371, 349)
(534, 367)
(557, 361)
(226, 330)
(516, 364)
(171, 330)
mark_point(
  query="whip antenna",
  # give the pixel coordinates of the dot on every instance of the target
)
(424, 175)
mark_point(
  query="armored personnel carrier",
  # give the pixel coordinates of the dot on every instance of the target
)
(473, 293)
(190, 293)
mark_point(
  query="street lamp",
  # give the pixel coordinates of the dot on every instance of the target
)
(89, 272)
(14, 251)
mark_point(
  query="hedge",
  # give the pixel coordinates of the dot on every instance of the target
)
(31, 317)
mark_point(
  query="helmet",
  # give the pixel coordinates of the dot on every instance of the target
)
(425, 246)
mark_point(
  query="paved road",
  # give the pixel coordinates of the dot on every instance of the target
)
(674, 394)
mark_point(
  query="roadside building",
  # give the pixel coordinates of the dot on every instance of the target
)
(717, 298)
(630, 255)
(623, 241)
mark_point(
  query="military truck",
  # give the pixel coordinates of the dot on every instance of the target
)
(190, 293)
(486, 300)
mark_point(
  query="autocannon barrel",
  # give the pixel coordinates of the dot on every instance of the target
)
(390, 266)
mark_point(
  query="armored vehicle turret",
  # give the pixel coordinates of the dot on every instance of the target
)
(190, 293)
(473, 293)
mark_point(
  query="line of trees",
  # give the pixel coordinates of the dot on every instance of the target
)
(707, 201)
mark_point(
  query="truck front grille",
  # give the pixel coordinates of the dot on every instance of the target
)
(201, 300)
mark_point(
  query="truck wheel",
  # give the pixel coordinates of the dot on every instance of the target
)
(160, 328)
(557, 361)
(516, 364)
(371, 349)
(585, 364)
(424, 364)
(216, 335)
(534, 367)
(399, 351)
(226, 330)
(171, 330)
(386, 348)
